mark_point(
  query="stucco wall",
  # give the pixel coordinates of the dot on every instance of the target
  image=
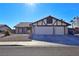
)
(21, 30)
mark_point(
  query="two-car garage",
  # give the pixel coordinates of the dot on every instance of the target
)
(50, 30)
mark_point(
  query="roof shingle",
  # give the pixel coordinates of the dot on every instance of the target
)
(23, 24)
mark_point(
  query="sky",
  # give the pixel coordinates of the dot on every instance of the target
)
(13, 13)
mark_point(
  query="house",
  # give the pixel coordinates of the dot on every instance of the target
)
(50, 26)
(4, 27)
(75, 22)
(23, 28)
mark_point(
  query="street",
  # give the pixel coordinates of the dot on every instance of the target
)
(38, 51)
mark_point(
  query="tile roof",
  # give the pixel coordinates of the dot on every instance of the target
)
(23, 24)
(2, 25)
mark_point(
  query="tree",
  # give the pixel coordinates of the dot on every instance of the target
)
(72, 22)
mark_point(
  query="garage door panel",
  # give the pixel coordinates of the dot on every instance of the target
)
(44, 30)
(59, 30)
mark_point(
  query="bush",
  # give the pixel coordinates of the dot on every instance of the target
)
(29, 28)
(6, 33)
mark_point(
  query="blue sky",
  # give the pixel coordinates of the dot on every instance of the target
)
(13, 13)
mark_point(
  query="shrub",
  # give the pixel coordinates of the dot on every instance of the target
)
(7, 33)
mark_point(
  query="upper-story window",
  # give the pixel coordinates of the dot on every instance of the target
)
(49, 20)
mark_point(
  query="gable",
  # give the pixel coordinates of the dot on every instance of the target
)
(50, 21)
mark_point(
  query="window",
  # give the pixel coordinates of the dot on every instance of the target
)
(49, 20)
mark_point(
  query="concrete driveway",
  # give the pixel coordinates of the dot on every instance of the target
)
(61, 39)
(16, 37)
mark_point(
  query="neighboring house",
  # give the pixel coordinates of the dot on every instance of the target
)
(50, 26)
(75, 22)
(4, 27)
(23, 28)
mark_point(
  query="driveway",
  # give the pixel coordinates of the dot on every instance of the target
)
(67, 39)
(16, 37)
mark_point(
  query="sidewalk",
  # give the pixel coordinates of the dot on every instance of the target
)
(34, 43)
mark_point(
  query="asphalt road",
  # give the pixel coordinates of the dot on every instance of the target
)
(38, 51)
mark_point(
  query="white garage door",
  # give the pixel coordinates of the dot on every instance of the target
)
(44, 30)
(59, 30)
